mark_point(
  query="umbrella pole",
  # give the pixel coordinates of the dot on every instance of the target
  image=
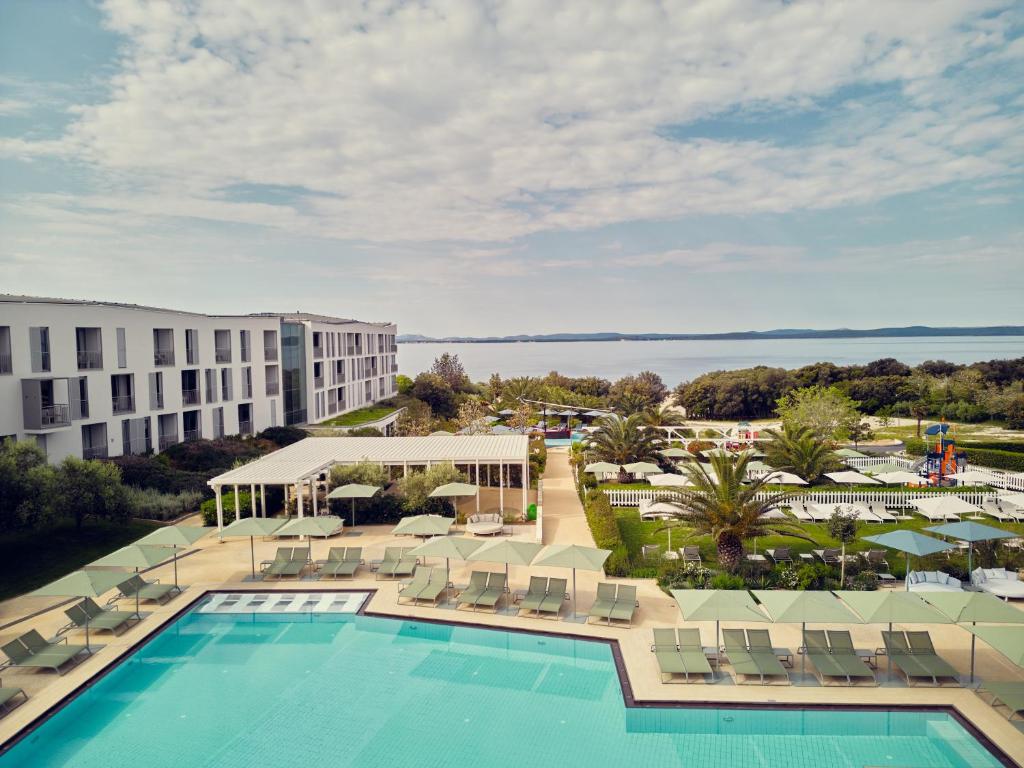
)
(803, 656)
(718, 650)
(574, 594)
(973, 638)
(87, 648)
(888, 658)
(906, 580)
(176, 569)
(252, 555)
(353, 513)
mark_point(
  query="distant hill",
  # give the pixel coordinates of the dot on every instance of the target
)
(913, 331)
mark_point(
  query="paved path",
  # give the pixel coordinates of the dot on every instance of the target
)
(564, 521)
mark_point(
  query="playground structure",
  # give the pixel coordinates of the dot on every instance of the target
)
(943, 459)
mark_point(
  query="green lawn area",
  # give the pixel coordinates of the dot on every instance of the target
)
(360, 416)
(636, 533)
(30, 560)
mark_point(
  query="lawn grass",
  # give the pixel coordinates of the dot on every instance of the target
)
(361, 416)
(29, 560)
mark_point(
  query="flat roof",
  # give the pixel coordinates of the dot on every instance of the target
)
(312, 455)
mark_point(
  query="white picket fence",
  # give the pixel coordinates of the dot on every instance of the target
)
(877, 461)
(1009, 481)
(631, 497)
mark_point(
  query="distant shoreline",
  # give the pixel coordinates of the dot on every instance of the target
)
(912, 332)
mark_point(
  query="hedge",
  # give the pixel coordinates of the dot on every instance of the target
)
(151, 472)
(601, 519)
(1009, 460)
(993, 445)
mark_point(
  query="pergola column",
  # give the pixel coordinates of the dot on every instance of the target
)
(298, 498)
(525, 478)
(312, 489)
(501, 488)
(238, 506)
(263, 501)
(220, 508)
(252, 498)
(405, 468)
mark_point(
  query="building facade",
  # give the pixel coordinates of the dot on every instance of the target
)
(95, 380)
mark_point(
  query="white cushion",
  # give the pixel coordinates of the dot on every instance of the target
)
(931, 576)
(998, 573)
(978, 576)
(913, 577)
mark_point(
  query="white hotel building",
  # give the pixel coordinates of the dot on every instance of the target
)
(95, 379)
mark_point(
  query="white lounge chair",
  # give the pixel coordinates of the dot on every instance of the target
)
(1008, 514)
(883, 514)
(935, 517)
(998, 581)
(800, 513)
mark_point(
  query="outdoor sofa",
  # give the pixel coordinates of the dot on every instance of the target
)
(998, 581)
(933, 581)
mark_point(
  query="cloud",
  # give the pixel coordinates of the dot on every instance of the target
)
(718, 257)
(459, 121)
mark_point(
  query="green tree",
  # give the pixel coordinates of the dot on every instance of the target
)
(621, 441)
(860, 430)
(90, 489)
(416, 487)
(725, 506)
(798, 450)
(449, 368)
(404, 384)
(919, 409)
(521, 419)
(635, 394)
(842, 526)
(1015, 414)
(27, 486)
(436, 392)
(364, 473)
(473, 417)
(826, 411)
(415, 420)
(663, 416)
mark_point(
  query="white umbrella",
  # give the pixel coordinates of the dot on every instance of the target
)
(945, 504)
(651, 508)
(973, 477)
(670, 479)
(785, 478)
(901, 477)
(851, 477)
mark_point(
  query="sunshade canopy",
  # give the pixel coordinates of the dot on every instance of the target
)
(1009, 641)
(321, 525)
(968, 530)
(910, 542)
(508, 551)
(573, 556)
(710, 452)
(881, 469)
(453, 490)
(423, 525)
(973, 476)
(886, 606)
(900, 477)
(785, 478)
(457, 547)
(600, 467)
(675, 453)
(134, 556)
(946, 504)
(849, 476)
(1017, 499)
(758, 466)
(669, 479)
(175, 536)
(81, 584)
(974, 606)
(717, 605)
(849, 453)
(252, 526)
(354, 491)
(795, 606)
(642, 468)
(441, 433)
(596, 414)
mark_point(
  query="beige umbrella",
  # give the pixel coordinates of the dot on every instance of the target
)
(354, 491)
(573, 556)
(176, 536)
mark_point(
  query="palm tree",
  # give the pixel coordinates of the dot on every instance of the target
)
(722, 505)
(798, 450)
(621, 441)
(919, 410)
(664, 416)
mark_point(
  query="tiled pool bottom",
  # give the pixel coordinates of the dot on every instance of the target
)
(291, 691)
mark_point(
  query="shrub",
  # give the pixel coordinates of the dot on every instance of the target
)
(915, 446)
(365, 473)
(382, 509)
(675, 574)
(215, 455)
(786, 577)
(601, 519)
(815, 576)
(618, 562)
(208, 509)
(994, 445)
(727, 581)
(865, 581)
(1010, 460)
(153, 472)
(696, 446)
(282, 436)
(416, 487)
(150, 504)
(364, 432)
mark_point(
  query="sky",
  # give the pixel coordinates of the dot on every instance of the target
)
(478, 168)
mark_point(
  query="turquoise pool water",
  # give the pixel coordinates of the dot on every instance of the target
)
(270, 690)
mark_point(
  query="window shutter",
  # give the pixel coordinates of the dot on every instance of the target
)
(122, 349)
(35, 343)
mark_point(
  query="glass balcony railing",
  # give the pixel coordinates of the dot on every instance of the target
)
(190, 396)
(89, 359)
(123, 403)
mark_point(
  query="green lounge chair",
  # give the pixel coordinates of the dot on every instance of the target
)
(739, 657)
(418, 583)
(11, 698)
(692, 652)
(535, 594)
(294, 566)
(342, 561)
(495, 589)
(817, 650)
(436, 585)
(1009, 694)
(397, 562)
(923, 650)
(666, 652)
(557, 594)
(147, 590)
(764, 655)
(841, 646)
(477, 586)
(625, 604)
(605, 602)
(282, 556)
(904, 659)
(32, 651)
(99, 620)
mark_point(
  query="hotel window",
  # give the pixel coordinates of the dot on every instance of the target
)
(192, 346)
(211, 385)
(244, 345)
(6, 363)
(122, 349)
(39, 343)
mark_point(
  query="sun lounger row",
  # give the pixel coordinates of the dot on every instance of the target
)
(751, 654)
(397, 562)
(545, 596)
(341, 561)
(138, 587)
(288, 561)
(32, 651)
(485, 589)
(833, 656)
(913, 654)
(88, 614)
(679, 652)
(821, 513)
(614, 602)
(427, 583)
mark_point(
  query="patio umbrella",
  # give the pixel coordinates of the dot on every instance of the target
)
(972, 477)
(596, 414)
(252, 527)
(601, 467)
(133, 556)
(573, 556)
(962, 607)
(791, 606)
(713, 452)
(81, 584)
(441, 433)
(910, 543)
(354, 491)
(321, 526)
(717, 605)
(851, 477)
(669, 479)
(423, 525)
(675, 453)
(901, 477)
(642, 468)
(945, 504)
(176, 536)
(971, 532)
(447, 547)
(849, 453)
(785, 478)
(881, 469)
(888, 607)
(506, 551)
(1009, 641)
(454, 491)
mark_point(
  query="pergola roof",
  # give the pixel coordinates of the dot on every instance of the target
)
(303, 459)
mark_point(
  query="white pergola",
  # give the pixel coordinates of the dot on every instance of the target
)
(301, 464)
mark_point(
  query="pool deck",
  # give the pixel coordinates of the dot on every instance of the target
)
(215, 566)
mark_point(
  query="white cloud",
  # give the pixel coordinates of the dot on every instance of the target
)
(456, 120)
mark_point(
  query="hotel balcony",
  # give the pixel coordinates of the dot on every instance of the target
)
(273, 388)
(89, 359)
(245, 427)
(95, 452)
(223, 354)
(190, 396)
(123, 403)
(163, 357)
(191, 435)
(166, 441)
(45, 404)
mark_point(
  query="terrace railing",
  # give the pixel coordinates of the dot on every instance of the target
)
(95, 452)
(89, 359)
(631, 497)
(273, 388)
(223, 354)
(192, 434)
(5, 363)
(876, 461)
(163, 357)
(190, 396)
(55, 415)
(123, 403)
(166, 441)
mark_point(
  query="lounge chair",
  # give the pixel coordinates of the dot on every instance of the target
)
(817, 650)
(666, 653)
(282, 556)
(839, 660)
(1009, 694)
(780, 555)
(477, 586)
(692, 651)
(1001, 513)
(605, 602)
(342, 561)
(840, 642)
(11, 698)
(32, 651)
(883, 514)
(397, 562)
(625, 604)
(690, 554)
(535, 594)
(294, 566)
(922, 648)
(419, 581)
(875, 558)
(89, 613)
(136, 586)
(915, 663)
(742, 662)
(557, 594)
(800, 513)
(828, 556)
(496, 587)
(765, 655)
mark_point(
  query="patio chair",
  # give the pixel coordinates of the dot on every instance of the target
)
(535, 594)
(692, 652)
(883, 514)
(1009, 694)
(666, 653)
(840, 643)
(397, 562)
(828, 556)
(742, 662)
(89, 613)
(342, 561)
(625, 604)
(411, 590)
(32, 651)
(283, 555)
(602, 607)
(146, 590)
(690, 554)
(817, 650)
(780, 555)
(477, 586)
(875, 558)
(557, 594)
(11, 698)
(759, 644)
(912, 663)
(496, 587)
(921, 646)
(294, 566)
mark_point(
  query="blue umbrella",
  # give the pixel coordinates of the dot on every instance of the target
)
(971, 532)
(910, 542)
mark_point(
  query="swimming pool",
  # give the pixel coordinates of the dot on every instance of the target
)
(345, 690)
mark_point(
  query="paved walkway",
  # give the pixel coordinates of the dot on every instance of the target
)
(564, 521)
